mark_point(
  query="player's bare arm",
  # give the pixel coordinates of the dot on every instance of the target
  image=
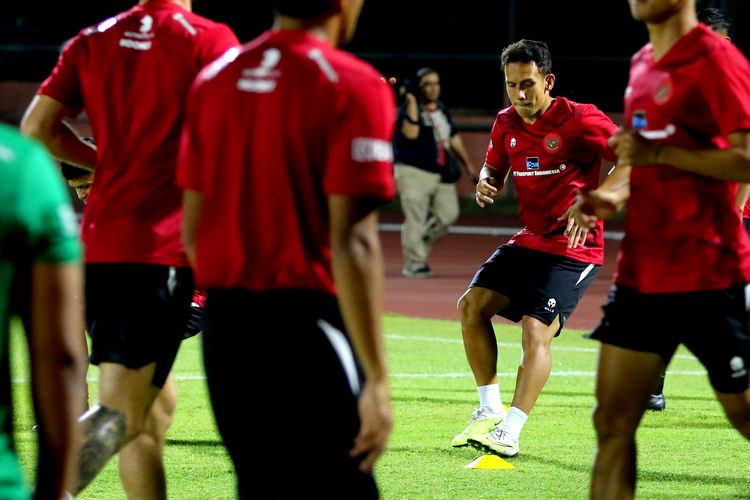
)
(192, 206)
(58, 363)
(487, 187)
(743, 192)
(605, 201)
(732, 163)
(358, 272)
(44, 120)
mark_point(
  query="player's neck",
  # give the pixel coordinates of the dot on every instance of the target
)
(328, 30)
(532, 119)
(665, 34)
(185, 4)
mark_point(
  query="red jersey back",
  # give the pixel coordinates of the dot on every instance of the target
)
(270, 132)
(683, 231)
(549, 160)
(131, 74)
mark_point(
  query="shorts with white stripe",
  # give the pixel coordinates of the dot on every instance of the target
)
(284, 382)
(538, 284)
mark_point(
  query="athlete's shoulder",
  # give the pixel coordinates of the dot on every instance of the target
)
(643, 54)
(350, 68)
(506, 117)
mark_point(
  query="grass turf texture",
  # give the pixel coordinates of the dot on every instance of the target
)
(688, 451)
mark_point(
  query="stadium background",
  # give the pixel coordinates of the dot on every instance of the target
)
(461, 40)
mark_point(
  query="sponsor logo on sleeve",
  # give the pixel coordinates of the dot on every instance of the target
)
(368, 149)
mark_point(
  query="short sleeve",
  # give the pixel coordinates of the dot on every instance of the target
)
(596, 129)
(360, 160)
(727, 92)
(64, 84)
(215, 42)
(496, 156)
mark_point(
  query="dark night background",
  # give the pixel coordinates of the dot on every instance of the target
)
(462, 40)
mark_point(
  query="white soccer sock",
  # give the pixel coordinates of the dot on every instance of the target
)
(489, 397)
(514, 422)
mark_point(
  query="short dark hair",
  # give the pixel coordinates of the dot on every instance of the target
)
(422, 72)
(526, 51)
(714, 19)
(71, 172)
(304, 9)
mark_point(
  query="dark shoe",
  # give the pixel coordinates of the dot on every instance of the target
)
(656, 402)
(418, 271)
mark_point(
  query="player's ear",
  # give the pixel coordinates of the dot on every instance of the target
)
(549, 82)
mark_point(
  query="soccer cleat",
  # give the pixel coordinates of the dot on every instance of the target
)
(482, 422)
(416, 271)
(498, 442)
(657, 402)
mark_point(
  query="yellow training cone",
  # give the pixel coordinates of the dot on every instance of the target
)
(489, 462)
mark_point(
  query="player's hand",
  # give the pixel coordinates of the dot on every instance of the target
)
(575, 232)
(634, 150)
(596, 205)
(376, 422)
(485, 191)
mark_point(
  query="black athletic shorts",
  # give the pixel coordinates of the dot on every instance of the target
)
(713, 324)
(538, 284)
(137, 314)
(284, 386)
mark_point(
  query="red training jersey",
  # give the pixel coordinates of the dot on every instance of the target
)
(550, 159)
(683, 230)
(131, 74)
(271, 131)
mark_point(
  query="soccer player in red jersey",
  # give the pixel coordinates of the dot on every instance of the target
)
(286, 157)
(131, 75)
(687, 111)
(720, 23)
(552, 147)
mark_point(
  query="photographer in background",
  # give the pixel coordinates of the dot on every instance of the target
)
(429, 156)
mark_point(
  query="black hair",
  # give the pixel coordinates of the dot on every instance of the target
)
(304, 9)
(422, 72)
(714, 19)
(526, 51)
(71, 172)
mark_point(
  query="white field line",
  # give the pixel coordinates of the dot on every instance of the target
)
(555, 373)
(508, 344)
(561, 373)
(489, 230)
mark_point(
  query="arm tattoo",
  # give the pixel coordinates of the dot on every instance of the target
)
(103, 435)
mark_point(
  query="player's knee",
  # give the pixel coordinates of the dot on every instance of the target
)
(470, 308)
(740, 420)
(611, 423)
(537, 335)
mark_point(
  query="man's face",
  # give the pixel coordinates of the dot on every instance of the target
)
(430, 87)
(656, 11)
(82, 185)
(528, 89)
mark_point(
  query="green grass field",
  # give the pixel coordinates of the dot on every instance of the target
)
(688, 451)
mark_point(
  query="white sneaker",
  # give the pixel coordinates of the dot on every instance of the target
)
(498, 441)
(482, 421)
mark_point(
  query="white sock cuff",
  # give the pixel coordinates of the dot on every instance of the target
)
(489, 397)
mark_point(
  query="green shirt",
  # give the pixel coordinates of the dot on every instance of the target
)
(37, 224)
